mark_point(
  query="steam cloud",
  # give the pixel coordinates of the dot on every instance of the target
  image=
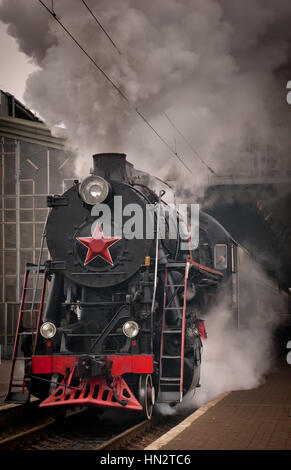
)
(232, 359)
(209, 64)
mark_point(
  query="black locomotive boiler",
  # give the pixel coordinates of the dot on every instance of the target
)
(121, 326)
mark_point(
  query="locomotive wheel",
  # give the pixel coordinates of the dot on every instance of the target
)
(146, 394)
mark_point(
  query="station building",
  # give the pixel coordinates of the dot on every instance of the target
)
(33, 164)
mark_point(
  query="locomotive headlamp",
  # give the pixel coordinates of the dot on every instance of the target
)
(94, 190)
(130, 329)
(48, 330)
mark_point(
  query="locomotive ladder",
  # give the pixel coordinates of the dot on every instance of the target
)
(172, 367)
(23, 395)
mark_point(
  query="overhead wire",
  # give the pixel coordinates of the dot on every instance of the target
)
(116, 87)
(101, 26)
(170, 120)
(190, 145)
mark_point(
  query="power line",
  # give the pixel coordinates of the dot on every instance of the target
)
(190, 146)
(122, 94)
(100, 25)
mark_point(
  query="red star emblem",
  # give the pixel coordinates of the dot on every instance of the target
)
(98, 246)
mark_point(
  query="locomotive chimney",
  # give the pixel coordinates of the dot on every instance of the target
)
(112, 166)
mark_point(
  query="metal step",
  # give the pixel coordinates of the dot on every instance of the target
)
(174, 285)
(170, 379)
(176, 265)
(171, 357)
(32, 288)
(27, 333)
(30, 310)
(169, 386)
(21, 358)
(93, 304)
(172, 331)
(17, 397)
(174, 308)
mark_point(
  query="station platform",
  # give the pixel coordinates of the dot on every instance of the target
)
(257, 419)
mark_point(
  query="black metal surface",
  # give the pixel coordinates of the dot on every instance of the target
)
(66, 223)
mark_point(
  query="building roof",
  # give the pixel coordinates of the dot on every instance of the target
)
(18, 122)
(10, 106)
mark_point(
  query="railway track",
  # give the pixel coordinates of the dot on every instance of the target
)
(88, 430)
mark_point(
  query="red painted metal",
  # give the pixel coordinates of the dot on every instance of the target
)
(204, 268)
(183, 330)
(52, 364)
(40, 311)
(131, 364)
(98, 245)
(16, 342)
(163, 321)
(142, 364)
(201, 328)
(94, 392)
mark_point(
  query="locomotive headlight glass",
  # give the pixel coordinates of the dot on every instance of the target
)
(130, 329)
(48, 330)
(94, 190)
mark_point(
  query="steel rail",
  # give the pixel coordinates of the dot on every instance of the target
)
(49, 424)
(16, 438)
(121, 438)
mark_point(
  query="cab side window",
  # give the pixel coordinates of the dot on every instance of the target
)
(220, 256)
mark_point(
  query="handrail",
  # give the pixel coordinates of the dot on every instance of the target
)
(205, 268)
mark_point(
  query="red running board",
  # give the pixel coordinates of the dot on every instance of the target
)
(95, 392)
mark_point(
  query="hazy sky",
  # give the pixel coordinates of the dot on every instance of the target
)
(14, 65)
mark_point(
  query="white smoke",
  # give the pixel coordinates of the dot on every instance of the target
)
(209, 64)
(234, 359)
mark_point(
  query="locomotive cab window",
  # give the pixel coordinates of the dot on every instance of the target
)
(220, 256)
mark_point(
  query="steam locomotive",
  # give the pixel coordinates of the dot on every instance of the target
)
(122, 325)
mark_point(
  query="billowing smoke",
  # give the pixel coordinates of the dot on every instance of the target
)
(239, 351)
(211, 65)
(234, 359)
